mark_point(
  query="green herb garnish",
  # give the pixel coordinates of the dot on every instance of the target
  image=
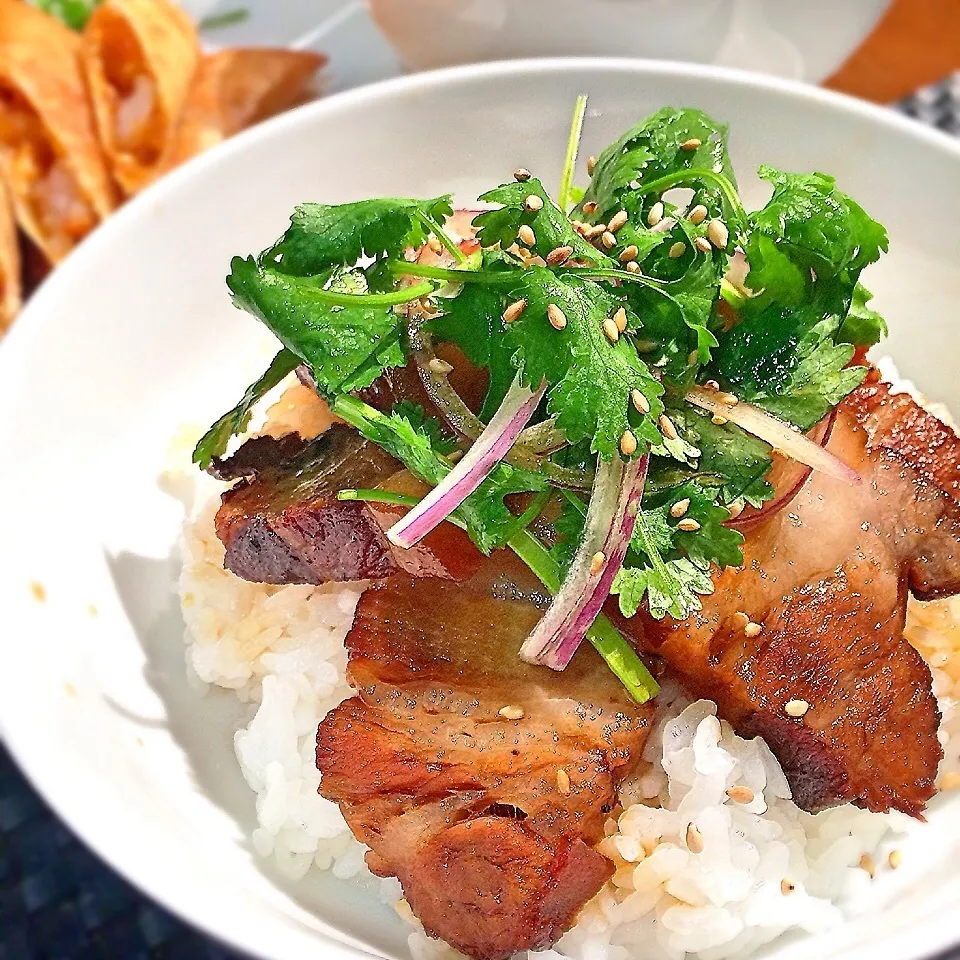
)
(615, 308)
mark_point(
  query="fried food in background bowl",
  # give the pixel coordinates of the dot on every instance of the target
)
(95, 111)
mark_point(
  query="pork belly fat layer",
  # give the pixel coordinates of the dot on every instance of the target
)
(479, 781)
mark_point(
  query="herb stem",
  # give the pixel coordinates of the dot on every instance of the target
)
(573, 145)
(684, 176)
(406, 269)
(606, 639)
(452, 248)
(406, 295)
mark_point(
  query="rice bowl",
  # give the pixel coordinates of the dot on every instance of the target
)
(98, 656)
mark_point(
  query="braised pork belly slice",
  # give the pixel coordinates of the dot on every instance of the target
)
(282, 522)
(481, 782)
(805, 645)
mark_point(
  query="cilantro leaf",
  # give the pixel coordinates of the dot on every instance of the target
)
(589, 378)
(214, 442)
(789, 362)
(673, 588)
(440, 438)
(489, 521)
(346, 347)
(863, 326)
(729, 459)
(633, 172)
(472, 320)
(550, 224)
(712, 543)
(808, 232)
(320, 237)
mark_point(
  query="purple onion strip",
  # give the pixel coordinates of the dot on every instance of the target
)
(518, 406)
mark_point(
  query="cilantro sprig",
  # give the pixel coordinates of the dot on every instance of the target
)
(617, 307)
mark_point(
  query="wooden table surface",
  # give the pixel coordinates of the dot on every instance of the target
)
(915, 44)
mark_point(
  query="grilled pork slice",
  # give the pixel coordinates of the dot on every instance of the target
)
(282, 522)
(805, 646)
(479, 781)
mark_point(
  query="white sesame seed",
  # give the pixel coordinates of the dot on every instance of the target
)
(514, 310)
(628, 443)
(728, 399)
(680, 508)
(786, 887)
(667, 428)
(526, 235)
(557, 318)
(692, 357)
(688, 525)
(736, 509)
(702, 244)
(796, 708)
(533, 203)
(559, 256)
(753, 629)
(620, 319)
(694, 839)
(618, 220)
(440, 366)
(694, 143)
(563, 781)
(610, 330)
(597, 561)
(633, 267)
(435, 245)
(655, 215)
(589, 208)
(740, 619)
(718, 234)
(591, 165)
(640, 402)
(609, 240)
(718, 420)
(741, 794)
(678, 250)
(645, 346)
(510, 712)
(598, 229)
(698, 214)
(521, 174)
(895, 859)
(629, 253)
(867, 864)
(718, 167)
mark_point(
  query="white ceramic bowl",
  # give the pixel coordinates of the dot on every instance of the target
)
(135, 335)
(802, 41)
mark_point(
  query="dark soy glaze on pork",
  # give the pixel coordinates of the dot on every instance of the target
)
(828, 580)
(282, 522)
(487, 821)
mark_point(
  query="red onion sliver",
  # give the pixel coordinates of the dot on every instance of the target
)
(789, 492)
(611, 517)
(780, 435)
(518, 406)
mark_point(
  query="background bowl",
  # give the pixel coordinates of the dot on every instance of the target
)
(771, 36)
(135, 335)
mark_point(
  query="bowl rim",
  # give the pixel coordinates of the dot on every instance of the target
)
(31, 755)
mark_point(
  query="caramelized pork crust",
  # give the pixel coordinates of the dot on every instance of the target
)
(479, 781)
(282, 522)
(804, 646)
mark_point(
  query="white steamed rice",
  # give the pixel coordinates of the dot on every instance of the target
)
(766, 867)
